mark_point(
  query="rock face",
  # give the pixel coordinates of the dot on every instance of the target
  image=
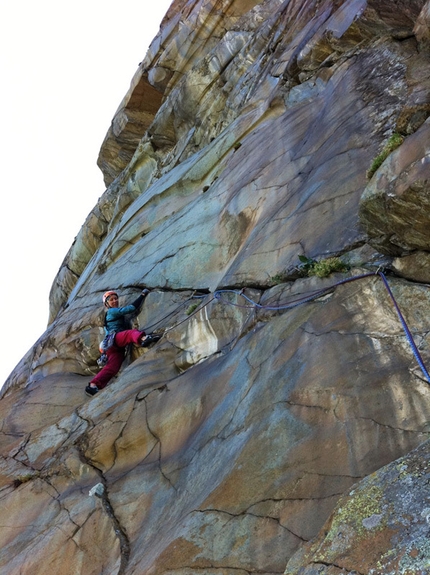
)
(281, 417)
(380, 526)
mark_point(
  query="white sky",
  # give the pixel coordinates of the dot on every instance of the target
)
(64, 68)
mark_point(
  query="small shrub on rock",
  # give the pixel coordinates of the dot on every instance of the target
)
(393, 142)
(324, 268)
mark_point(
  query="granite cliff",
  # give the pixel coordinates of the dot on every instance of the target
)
(281, 424)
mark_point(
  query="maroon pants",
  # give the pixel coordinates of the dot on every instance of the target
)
(116, 355)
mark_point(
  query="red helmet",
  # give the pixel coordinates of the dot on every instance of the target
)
(107, 295)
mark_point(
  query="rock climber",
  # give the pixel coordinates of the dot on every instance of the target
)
(116, 326)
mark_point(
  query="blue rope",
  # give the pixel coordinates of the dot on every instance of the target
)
(294, 303)
(406, 329)
(305, 299)
(324, 291)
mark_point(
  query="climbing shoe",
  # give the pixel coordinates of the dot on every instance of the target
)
(149, 339)
(91, 390)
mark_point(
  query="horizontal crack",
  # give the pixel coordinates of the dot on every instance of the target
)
(342, 569)
(225, 568)
(247, 513)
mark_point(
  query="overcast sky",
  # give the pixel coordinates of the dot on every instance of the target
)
(64, 68)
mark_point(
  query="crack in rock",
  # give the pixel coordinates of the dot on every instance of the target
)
(341, 569)
(392, 426)
(158, 440)
(247, 513)
(119, 530)
(223, 569)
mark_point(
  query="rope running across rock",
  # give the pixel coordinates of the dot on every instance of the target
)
(302, 300)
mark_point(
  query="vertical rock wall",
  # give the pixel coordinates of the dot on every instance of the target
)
(237, 160)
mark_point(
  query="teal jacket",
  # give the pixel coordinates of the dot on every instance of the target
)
(115, 318)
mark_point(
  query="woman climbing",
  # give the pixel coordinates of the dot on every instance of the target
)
(119, 336)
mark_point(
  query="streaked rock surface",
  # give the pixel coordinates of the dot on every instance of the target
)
(242, 144)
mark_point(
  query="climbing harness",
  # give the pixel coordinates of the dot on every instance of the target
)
(105, 344)
(108, 341)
